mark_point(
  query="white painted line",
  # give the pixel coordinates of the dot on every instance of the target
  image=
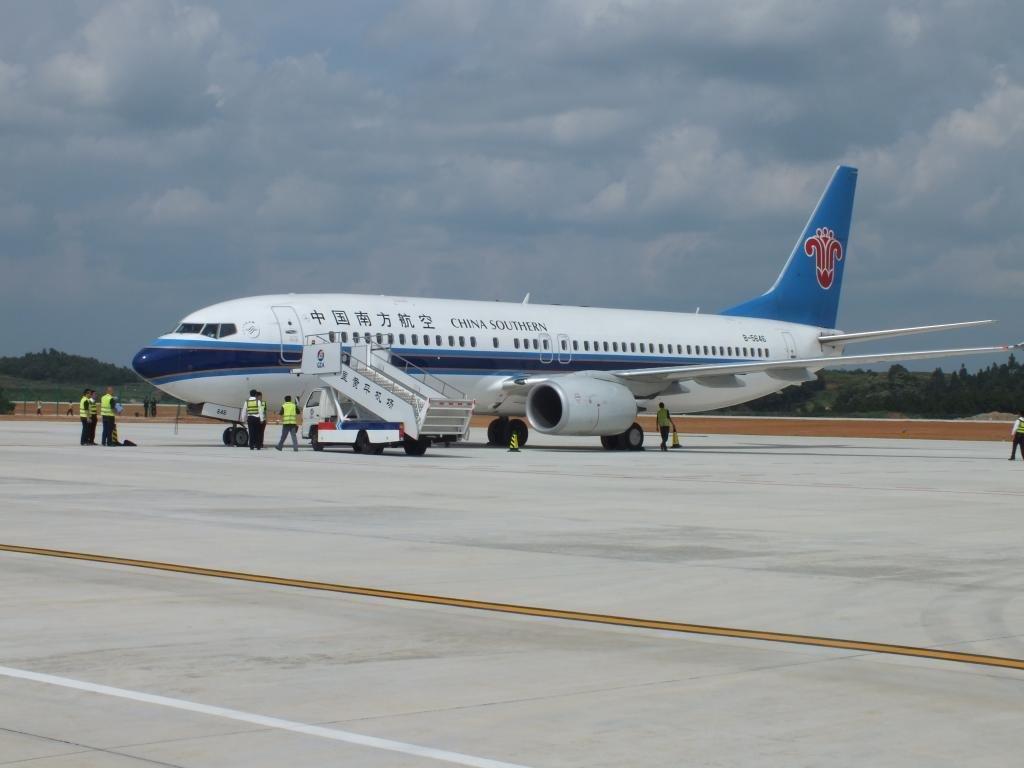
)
(262, 720)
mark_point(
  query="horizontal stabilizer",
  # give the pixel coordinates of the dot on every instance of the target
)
(692, 372)
(850, 338)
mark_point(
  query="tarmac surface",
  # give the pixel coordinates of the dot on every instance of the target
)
(893, 541)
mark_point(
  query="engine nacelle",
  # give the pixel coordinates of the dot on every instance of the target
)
(580, 405)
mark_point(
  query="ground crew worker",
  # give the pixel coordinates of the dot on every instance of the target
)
(263, 418)
(251, 409)
(108, 406)
(289, 425)
(664, 422)
(1017, 432)
(85, 413)
(94, 415)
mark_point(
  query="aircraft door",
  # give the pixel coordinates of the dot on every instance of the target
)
(547, 354)
(790, 345)
(563, 346)
(291, 333)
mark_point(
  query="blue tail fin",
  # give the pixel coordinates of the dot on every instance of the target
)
(807, 290)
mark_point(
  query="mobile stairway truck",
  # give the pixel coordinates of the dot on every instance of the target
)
(372, 399)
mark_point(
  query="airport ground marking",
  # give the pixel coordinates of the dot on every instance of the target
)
(334, 734)
(864, 646)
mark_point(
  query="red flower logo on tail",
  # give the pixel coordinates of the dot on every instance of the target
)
(826, 251)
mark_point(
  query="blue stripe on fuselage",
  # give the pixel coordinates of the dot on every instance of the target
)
(169, 360)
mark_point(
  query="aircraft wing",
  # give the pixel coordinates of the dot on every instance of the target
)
(849, 338)
(797, 369)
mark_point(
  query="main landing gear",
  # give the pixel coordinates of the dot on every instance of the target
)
(499, 432)
(236, 436)
(630, 440)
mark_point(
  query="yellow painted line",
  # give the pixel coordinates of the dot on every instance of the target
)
(547, 613)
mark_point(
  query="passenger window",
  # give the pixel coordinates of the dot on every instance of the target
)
(767, 353)
(380, 338)
(344, 337)
(535, 344)
(472, 341)
(314, 399)
(565, 345)
(642, 347)
(586, 346)
(545, 342)
(451, 341)
(438, 342)
(227, 329)
(575, 345)
(632, 346)
(714, 350)
(462, 341)
(426, 340)
(495, 342)
(391, 338)
(661, 349)
(615, 346)
(515, 341)
(210, 329)
(705, 349)
(415, 338)
(689, 349)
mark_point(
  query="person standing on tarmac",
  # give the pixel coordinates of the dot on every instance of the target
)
(289, 425)
(263, 418)
(251, 409)
(664, 422)
(108, 409)
(1017, 433)
(85, 414)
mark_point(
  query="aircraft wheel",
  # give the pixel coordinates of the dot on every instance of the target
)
(521, 430)
(241, 437)
(229, 437)
(496, 432)
(609, 442)
(314, 440)
(415, 447)
(633, 438)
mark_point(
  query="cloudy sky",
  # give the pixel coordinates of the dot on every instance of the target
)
(157, 156)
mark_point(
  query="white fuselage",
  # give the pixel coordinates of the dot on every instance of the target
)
(476, 346)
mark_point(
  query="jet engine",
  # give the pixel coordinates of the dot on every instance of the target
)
(580, 405)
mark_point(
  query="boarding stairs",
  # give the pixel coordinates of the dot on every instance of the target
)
(389, 387)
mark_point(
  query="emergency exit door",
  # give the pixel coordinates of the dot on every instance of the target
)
(291, 333)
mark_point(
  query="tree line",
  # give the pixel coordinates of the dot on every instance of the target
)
(999, 387)
(57, 367)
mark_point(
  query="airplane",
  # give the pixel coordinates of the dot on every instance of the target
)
(580, 371)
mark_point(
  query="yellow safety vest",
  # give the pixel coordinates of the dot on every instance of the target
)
(84, 406)
(1020, 426)
(664, 420)
(107, 406)
(288, 413)
(252, 406)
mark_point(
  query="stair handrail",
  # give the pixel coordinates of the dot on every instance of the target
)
(432, 381)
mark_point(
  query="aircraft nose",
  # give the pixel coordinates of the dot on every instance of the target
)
(152, 362)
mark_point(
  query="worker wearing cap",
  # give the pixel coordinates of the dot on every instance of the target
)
(85, 414)
(1017, 433)
(252, 408)
(289, 423)
(664, 422)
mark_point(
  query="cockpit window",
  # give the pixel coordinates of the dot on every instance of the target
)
(227, 329)
(189, 328)
(210, 329)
